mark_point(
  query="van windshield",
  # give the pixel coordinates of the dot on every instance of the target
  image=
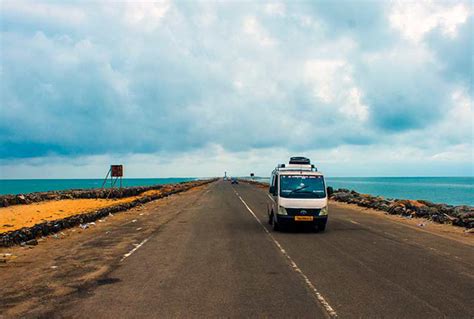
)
(300, 186)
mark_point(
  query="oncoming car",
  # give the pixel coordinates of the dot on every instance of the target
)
(299, 195)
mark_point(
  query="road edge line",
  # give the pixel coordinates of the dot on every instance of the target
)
(134, 249)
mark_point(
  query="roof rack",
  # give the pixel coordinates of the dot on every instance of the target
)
(297, 163)
(300, 160)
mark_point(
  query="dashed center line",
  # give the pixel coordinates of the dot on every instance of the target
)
(270, 197)
(327, 307)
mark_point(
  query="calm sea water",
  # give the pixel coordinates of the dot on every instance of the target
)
(22, 186)
(448, 190)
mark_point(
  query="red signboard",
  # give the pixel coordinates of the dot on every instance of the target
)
(117, 170)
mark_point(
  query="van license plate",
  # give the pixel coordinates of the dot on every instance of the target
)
(303, 218)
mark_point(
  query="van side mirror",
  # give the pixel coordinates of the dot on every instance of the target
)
(272, 190)
(330, 191)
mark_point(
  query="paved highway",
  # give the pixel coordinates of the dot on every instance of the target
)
(219, 258)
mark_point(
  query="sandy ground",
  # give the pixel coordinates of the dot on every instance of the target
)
(18, 216)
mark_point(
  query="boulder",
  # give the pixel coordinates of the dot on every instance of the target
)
(440, 213)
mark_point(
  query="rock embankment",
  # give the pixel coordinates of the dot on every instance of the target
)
(256, 183)
(441, 213)
(29, 234)
(462, 216)
(22, 199)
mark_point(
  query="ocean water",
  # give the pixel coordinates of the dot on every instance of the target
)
(447, 190)
(23, 186)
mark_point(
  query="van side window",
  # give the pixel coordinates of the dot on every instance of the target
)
(276, 183)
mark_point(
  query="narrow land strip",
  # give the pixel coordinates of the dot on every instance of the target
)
(202, 254)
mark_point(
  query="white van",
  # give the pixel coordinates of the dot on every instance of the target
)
(299, 195)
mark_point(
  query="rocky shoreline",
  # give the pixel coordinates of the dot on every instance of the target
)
(28, 235)
(461, 215)
(23, 199)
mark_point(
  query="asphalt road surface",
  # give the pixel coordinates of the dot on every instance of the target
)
(219, 258)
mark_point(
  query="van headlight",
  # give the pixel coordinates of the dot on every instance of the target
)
(324, 211)
(282, 210)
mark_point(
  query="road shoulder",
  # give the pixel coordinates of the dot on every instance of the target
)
(456, 233)
(74, 260)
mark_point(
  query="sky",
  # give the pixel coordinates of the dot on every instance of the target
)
(179, 88)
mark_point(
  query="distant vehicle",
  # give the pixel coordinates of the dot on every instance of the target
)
(299, 195)
(234, 180)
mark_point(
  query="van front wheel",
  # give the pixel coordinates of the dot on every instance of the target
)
(276, 227)
(270, 218)
(321, 226)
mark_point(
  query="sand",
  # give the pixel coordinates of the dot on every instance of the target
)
(19, 216)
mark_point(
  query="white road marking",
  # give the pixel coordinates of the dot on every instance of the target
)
(330, 311)
(142, 243)
(270, 197)
(134, 249)
(354, 222)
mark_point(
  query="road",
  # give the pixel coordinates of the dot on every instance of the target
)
(219, 258)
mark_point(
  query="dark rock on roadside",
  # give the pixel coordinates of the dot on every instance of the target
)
(441, 213)
(32, 242)
(462, 216)
(22, 199)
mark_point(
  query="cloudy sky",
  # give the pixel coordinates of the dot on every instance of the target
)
(192, 89)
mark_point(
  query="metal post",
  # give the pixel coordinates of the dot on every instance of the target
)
(106, 178)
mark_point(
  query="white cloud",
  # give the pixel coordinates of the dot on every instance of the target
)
(275, 9)
(146, 15)
(230, 83)
(332, 83)
(457, 124)
(214, 160)
(463, 152)
(305, 21)
(413, 19)
(354, 107)
(252, 27)
(45, 12)
(324, 76)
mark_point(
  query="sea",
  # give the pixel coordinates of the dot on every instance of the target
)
(447, 190)
(23, 186)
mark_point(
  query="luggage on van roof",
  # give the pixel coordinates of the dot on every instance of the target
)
(300, 160)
